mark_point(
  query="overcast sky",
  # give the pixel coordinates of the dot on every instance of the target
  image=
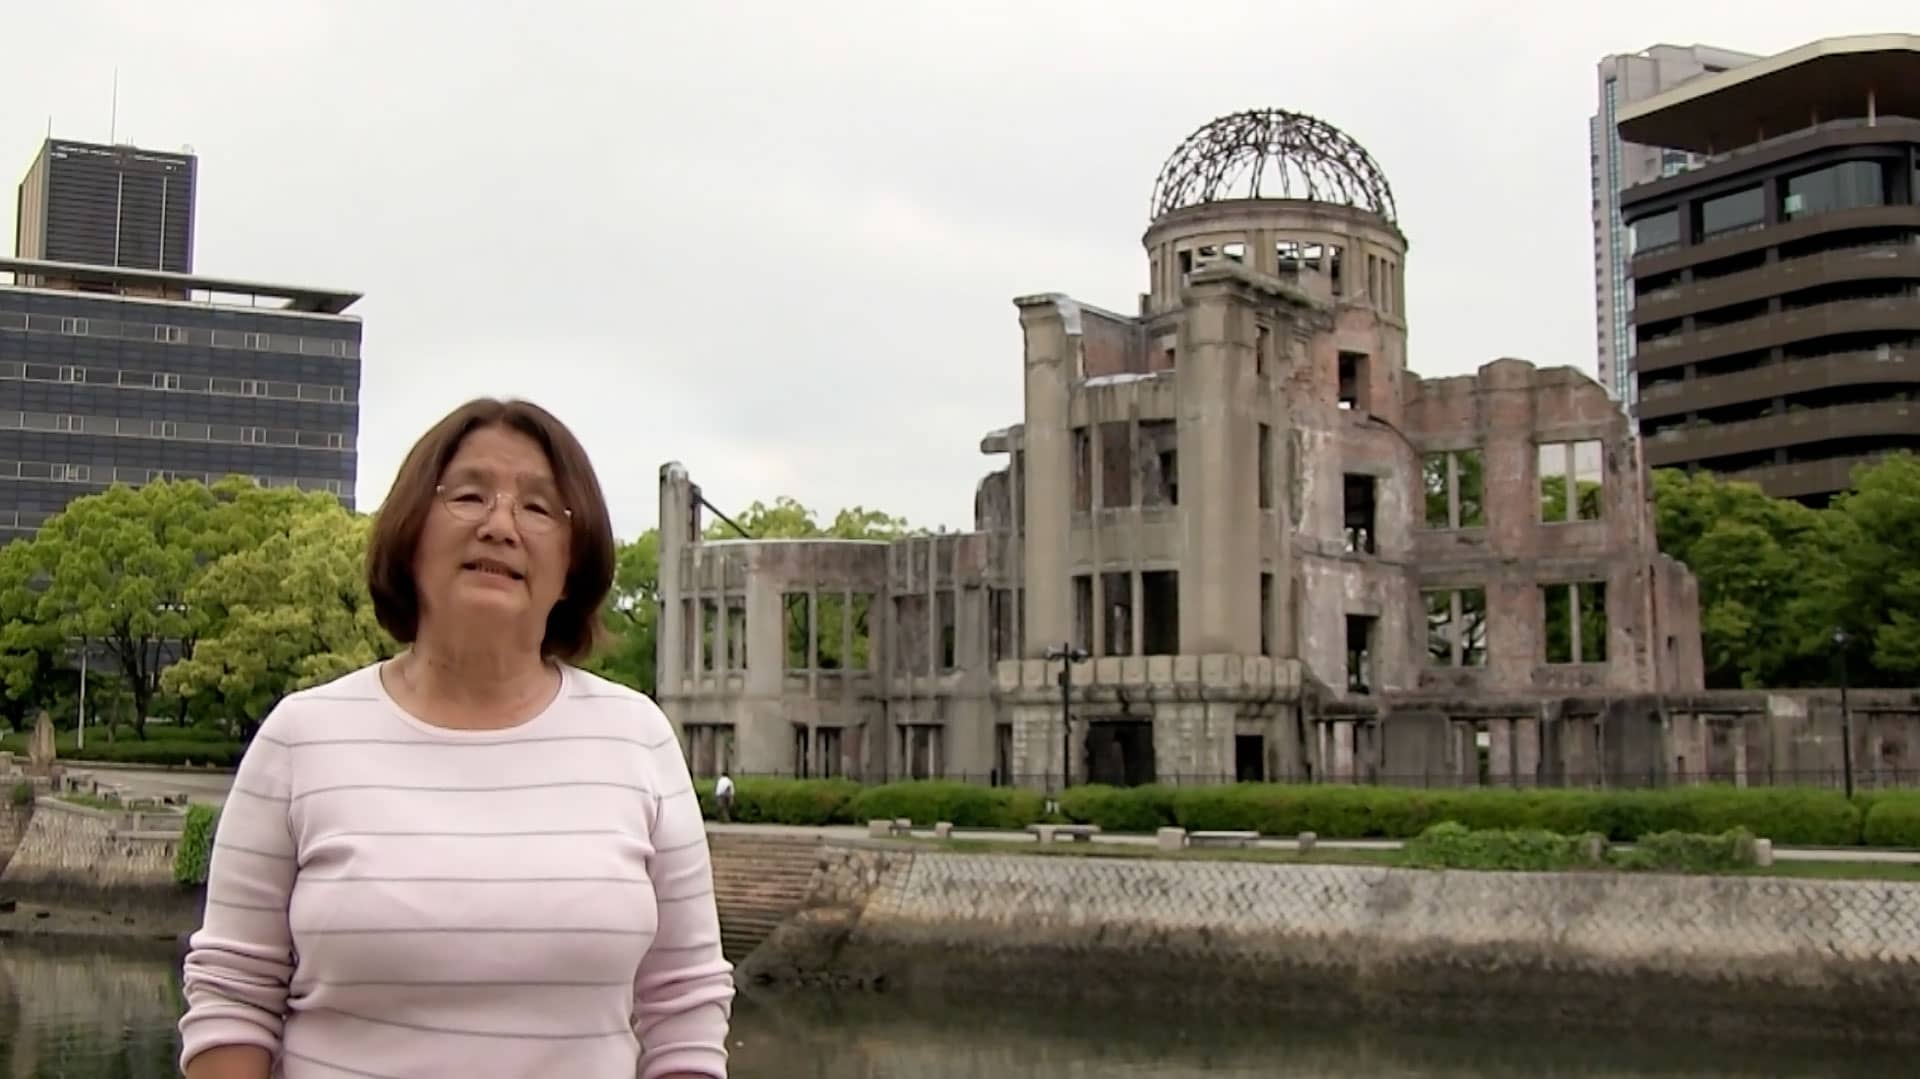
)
(779, 241)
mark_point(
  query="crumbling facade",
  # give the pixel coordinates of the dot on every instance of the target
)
(1252, 531)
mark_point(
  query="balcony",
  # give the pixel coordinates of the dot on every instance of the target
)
(1863, 263)
(1893, 313)
(1669, 259)
(1830, 476)
(1789, 379)
(1707, 441)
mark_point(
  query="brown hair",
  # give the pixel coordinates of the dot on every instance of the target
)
(573, 627)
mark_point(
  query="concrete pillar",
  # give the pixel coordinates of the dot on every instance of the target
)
(676, 519)
(1051, 324)
(1500, 750)
(1343, 749)
(1219, 474)
(1526, 750)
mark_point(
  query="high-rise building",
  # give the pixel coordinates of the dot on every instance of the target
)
(1776, 288)
(1623, 80)
(135, 371)
(107, 206)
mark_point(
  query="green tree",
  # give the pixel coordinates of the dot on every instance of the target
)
(289, 611)
(1871, 584)
(632, 614)
(33, 654)
(1765, 570)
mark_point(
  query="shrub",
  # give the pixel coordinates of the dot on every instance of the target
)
(783, 801)
(23, 793)
(1452, 845)
(195, 851)
(1119, 809)
(1687, 852)
(1893, 820)
(964, 805)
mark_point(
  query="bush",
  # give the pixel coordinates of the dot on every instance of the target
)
(1893, 820)
(1119, 809)
(1686, 852)
(23, 793)
(964, 805)
(1452, 845)
(191, 857)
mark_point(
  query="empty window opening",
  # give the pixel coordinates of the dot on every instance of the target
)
(830, 630)
(1160, 613)
(1262, 350)
(856, 654)
(1236, 251)
(826, 752)
(799, 630)
(1358, 497)
(1575, 621)
(690, 636)
(1116, 599)
(1116, 464)
(710, 634)
(1119, 752)
(1249, 758)
(1289, 256)
(912, 649)
(1266, 614)
(1360, 634)
(1353, 381)
(1159, 463)
(948, 628)
(1082, 470)
(923, 751)
(801, 758)
(1082, 612)
(709, 749)
(1264, 448)
(1001, 618)
(1003, 755)
(1571, 467)
(1453, 482)
(737, 633)
(1456, 627)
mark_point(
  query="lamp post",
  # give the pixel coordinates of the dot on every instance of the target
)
(1067, 654)
(1846, 716)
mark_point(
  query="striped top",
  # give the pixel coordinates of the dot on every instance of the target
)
(391, 898)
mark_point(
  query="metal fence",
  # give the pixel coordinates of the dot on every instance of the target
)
(1833, 779)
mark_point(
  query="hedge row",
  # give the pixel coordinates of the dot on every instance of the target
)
(165, 744)
(1792, 816)
(1452, 845)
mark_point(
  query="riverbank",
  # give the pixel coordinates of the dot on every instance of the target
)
(1735, 955)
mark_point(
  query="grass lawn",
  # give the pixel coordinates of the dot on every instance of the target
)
(91, 801)
(1892, 871)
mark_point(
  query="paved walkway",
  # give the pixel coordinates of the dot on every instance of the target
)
(210, 788)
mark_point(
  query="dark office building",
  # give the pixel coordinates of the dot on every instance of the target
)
(1776, 289)
(107, 206)
(108, 382)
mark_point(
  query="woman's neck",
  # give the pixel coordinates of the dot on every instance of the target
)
(473, 686)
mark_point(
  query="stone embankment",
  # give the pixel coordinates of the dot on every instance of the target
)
(1745, 953)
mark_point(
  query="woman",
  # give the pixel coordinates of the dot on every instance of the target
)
(473, 859)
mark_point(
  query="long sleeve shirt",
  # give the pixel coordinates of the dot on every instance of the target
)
(391, 898)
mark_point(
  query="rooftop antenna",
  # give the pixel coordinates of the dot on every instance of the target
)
(113, 117)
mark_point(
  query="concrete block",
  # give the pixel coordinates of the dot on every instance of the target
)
(879, 829)
(943, 830)
(1307, 841)
(1133, 670)
(1160, 670)
(1763, 852)
(1106, 670)
(1171, 838)
(1186, 669)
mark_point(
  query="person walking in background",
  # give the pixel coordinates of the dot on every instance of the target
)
(723, 797)
(473, 859)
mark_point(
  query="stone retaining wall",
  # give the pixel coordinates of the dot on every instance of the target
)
(68, 847)
(1817, 957)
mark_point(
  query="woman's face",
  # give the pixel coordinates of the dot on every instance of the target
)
(496, 545)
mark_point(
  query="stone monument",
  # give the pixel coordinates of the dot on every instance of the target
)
(41, 751)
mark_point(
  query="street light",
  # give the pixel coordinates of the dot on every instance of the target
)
(1067, 654)
(1846, 717)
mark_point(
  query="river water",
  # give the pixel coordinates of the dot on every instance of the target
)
(73, 1012)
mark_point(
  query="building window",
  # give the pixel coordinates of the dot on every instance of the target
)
(1360, 640)
(1743, 209)
(1357, 496)
(74, 326)
(1574, 617)
(1456, 627)
(1264, 470)
(1655, 232)
(1850, 185)
(1454, 483)
(1571, 480)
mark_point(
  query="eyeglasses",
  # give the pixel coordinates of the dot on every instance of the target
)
(535, 514)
